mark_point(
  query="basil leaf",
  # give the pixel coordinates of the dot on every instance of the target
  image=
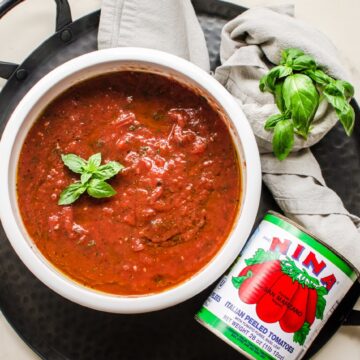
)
(262, 83)
(333, 90)
(302, 99)
(85, 177)
(319, 76)
(334, 97)
(94, 162)
(283, 139)
(262, 256)
(100, 189)
(349, 89)
(321, 302)
(272, 121)
(73, 162)
(238, 281)
(92, 179)
(71, 193)
(298, 86)
(284, 71)
(343, 109)
(107, 171)
(304, 62)
(345, 87)
(267, 82)
(300, 335)
(279, 99)
(289, 55)
(347, 118)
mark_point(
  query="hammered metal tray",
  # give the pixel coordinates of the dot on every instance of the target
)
(57, 329)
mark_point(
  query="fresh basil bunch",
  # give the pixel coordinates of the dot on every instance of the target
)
(298, 85)
(92, 179)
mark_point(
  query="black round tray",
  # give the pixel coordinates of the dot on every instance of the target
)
(57, 329)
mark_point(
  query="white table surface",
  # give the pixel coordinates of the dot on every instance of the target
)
(339, 19)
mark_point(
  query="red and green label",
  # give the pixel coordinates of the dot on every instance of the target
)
(278, 294)
(281, 293)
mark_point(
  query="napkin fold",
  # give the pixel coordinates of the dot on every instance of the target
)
(167, 25)
(250, 45)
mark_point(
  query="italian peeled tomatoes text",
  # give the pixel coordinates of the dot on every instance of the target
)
(256, 325)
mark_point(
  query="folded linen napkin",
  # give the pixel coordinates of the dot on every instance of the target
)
(167, 25)
(250, 44)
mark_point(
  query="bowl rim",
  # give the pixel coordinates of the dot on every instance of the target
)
(68, 288)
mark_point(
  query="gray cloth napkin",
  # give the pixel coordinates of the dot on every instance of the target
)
(250, 44)
(167, 25)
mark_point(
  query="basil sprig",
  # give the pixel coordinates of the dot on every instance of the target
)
(93, 177)
(298, 85)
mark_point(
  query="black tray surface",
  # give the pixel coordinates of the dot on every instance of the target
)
(57, 329)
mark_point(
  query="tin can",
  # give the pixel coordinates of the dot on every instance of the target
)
(279, 293)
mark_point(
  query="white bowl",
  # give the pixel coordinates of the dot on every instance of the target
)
(96, 63)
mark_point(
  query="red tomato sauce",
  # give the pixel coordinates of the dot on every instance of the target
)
(177, 196)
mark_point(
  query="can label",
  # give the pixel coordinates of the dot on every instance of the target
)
(278, 294)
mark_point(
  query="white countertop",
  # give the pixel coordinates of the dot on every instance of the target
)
(339, 19)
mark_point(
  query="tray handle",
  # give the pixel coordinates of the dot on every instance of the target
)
(63, 19)
(353, 319)
(7, 69)
(63, 14)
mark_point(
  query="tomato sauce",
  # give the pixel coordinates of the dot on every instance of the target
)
(177, 196)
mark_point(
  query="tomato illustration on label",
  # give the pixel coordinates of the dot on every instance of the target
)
(281, 292)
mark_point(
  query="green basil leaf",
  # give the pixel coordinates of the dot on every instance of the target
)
(333, 90)
(289, 55)
(71, 193)
(272, 121)
(267, 82)
(343, 109)
(262, 256)
(302, 132)
(94, 162)
(346, 88)
(321, 291)
(74, 163)
(347, 118)
(100, 189)
(334, 96)
(85, 177)
(93, 176)
(304, 62)
(302, 100)
(279, 99)
(262, 83)
(321, 303)
(284, 71)
(107, 171)
(319, 76)
(300, 335)
(283, 139)
(238, 281)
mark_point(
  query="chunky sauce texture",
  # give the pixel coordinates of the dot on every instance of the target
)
(177, 196)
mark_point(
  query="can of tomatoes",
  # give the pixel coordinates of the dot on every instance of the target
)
(279, 293)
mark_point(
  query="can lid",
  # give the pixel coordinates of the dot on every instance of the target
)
(324, 249)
